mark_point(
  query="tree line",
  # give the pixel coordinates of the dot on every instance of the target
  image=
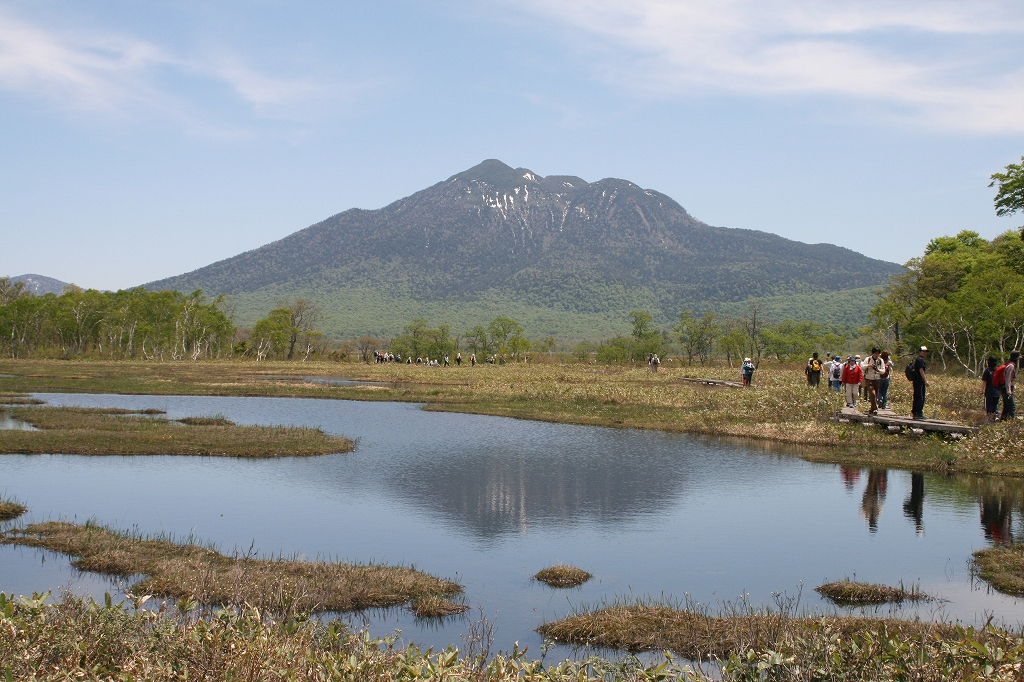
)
(133, 323)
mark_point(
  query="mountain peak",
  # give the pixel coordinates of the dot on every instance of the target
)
(498, 174)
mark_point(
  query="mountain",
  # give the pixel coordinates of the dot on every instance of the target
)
(39, 285)
(564, 256)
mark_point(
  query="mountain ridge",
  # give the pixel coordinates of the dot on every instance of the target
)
(555, 242)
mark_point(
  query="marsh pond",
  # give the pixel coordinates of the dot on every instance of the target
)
(489, 501)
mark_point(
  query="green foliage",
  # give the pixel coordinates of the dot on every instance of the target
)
(422, 341)
(964, 298)
(123, 324)
(1010, 195)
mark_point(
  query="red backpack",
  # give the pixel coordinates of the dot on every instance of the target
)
(999, 378)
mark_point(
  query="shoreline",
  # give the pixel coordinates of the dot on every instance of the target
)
(779, 410)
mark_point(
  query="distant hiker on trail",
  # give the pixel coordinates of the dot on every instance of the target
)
(653, 362)
(990, 390)
(835, 374)
(1009, 378)
(747, 371)
(852, 376)
(472, 359)
(458, 359)
(446, 363)
(916, 373)
(883, 383)
(813, 371)
(873, 368)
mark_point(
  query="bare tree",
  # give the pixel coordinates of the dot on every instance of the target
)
(753, 323)
(366, 345)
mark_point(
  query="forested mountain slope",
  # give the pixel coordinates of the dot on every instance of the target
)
(572, 255)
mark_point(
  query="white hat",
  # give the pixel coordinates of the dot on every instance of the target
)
(747, 360)
(924, 348)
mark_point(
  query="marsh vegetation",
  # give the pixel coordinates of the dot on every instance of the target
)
(196, 573)
(852, 593)
(1001, 567)
(10, 509)
(108, 431)
(562, 576)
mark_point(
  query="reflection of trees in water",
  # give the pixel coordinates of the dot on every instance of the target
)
(874, 497)
(494, 492)
(1000, 500)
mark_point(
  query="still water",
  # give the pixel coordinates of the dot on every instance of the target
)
(488, 501)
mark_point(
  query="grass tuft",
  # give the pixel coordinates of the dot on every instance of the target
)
(215, 420)
(562, 576)
(435, 606)
(851, 593)
(11, 509)
(1001, 567)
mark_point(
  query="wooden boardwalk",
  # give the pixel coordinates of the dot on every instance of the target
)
(713, 382)
(893, 421)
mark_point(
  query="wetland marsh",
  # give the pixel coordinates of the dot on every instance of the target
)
(488, 501)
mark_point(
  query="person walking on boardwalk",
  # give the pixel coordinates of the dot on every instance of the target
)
(873, 368)
(991, 390)
(813, 371)
(883, 383)
(835, 374)
(747, 371)
(1009, 379)
(916, 373)
(852, 376)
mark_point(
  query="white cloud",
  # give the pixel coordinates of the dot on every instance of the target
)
(943, 64)
(122, 76)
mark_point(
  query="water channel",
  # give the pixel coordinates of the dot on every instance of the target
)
(488, 501)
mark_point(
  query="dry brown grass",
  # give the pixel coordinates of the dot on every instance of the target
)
(206, 421)
(11, 509)
(90, 431)
(779, 407)
(435, 606)
(1001, 567)
(852, 593)
(562, 576)
(695, 634)
(193, 572)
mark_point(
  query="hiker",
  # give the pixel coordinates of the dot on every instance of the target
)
(472, 359)
(852, 376)
(458, 359)
(835, 374)
(1009, 379)
(991, 390)
(873, 368)
(446, 363)
(916, 373)
(655, 363)
(863, 390)
(813, 371)
(747, 371)
(883, 382)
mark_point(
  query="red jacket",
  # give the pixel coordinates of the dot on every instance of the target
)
(852, 375)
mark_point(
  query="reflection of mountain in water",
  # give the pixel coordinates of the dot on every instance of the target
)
(497, 490)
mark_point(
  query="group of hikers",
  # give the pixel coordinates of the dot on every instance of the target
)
(869, 378)
(382, 357)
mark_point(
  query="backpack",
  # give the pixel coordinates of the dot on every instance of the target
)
(999, 378)
(837, 371)
(815, 366)
(910, 370)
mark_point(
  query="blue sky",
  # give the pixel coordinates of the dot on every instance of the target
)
(144, 139)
